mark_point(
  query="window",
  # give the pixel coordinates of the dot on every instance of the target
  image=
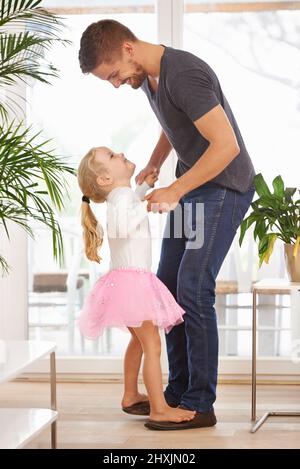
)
(255, 50)
(80, 112)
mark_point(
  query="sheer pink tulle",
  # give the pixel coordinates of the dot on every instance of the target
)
(127, 297)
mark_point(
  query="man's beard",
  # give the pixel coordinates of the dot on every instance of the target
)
(138, 76)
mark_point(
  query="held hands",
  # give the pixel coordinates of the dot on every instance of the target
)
(162, 200)
(159, 200)
(149, 174)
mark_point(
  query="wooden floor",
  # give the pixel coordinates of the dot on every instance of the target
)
(90, 417)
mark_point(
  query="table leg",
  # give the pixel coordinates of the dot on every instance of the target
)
(253, 382)
(262, 420)
(259, 423)
(53, 398)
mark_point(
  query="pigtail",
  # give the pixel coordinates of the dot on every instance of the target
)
(92, 233)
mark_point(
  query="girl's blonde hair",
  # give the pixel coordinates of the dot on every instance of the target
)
(88, 171)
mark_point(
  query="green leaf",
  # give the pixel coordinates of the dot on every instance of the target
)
(269, 201)
(263, 244)
(261, 185)
(244, 227)
(289, 192)
(260, 229)
(278, 186)
(4, 267)
(262, 247)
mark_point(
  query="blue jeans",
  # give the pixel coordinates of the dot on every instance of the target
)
(190, 274)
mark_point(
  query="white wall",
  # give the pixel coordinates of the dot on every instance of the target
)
(13, 287)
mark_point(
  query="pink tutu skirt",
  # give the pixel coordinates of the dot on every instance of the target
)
(125, 297)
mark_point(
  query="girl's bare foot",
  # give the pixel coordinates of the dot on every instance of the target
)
(173, 415)
(131, 399)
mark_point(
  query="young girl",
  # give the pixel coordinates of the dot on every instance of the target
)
(128, 296)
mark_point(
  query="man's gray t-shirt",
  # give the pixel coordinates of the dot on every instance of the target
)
(188, 88)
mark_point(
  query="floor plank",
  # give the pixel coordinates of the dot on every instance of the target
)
(90, 417)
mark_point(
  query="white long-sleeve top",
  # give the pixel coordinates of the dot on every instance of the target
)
(128, 228)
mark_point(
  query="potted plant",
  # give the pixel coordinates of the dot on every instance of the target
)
(32, 177)
(276, 215)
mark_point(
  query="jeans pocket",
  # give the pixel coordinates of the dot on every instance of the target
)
(193, 215)
(206, 193)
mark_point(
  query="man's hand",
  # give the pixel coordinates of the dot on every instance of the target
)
(162, 200)
(151, 179)
(149, 171)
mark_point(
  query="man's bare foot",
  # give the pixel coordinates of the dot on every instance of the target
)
(173, 415)
(131, 399)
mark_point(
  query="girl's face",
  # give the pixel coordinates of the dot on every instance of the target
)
(117, 169)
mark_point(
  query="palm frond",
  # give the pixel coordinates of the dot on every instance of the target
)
(25, 163)
(32, 176)
(20, 12)
(4, 267)
(23, 53)
(12, 105)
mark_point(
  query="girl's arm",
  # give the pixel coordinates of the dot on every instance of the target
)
(141, 189)
(132, 216)
(126, 215)
(148, 183)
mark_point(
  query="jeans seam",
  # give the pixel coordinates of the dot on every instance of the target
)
(233, 211)
(209, 251)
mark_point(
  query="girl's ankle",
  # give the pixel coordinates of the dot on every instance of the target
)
(130, 395)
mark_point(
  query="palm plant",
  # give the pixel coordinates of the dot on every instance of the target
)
(32, 177)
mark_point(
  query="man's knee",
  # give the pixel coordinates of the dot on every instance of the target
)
(196, 295)
(206, 298)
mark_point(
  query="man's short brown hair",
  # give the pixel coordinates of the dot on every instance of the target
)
(101, 42)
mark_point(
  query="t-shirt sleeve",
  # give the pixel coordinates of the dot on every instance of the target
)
(192, 91)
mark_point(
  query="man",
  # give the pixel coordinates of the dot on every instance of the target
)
(213, 169)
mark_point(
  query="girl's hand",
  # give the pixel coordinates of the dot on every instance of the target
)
(149, 170)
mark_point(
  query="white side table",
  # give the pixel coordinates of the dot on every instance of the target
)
(266, 287)
(21, 425)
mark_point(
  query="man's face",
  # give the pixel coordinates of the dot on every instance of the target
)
(121, 71)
